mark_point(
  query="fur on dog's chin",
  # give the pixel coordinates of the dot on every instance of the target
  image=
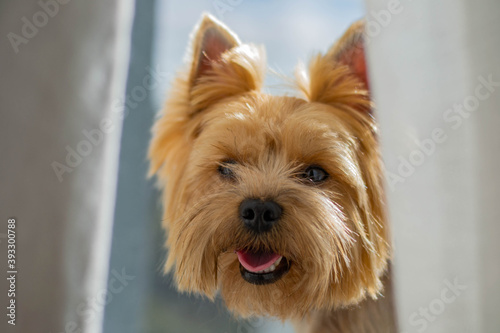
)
(288, 297)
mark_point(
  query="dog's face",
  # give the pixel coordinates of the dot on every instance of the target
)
(276, 201)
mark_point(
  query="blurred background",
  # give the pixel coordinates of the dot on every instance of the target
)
(90, 251)
(290, 31)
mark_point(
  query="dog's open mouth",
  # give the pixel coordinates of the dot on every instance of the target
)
(261, 267)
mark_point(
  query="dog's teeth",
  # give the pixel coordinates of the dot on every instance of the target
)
(270, 268)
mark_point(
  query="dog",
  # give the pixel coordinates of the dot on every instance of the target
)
(276, 202)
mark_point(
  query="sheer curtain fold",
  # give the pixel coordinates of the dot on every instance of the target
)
(63, 74)
(436, 81)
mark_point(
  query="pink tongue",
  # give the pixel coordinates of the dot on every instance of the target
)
(255, 262)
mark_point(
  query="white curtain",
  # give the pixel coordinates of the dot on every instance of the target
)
(63, 70)
(435, 69)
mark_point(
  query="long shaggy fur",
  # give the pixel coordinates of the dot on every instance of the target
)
(335, 234)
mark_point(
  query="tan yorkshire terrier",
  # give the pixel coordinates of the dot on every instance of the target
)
(276, 202)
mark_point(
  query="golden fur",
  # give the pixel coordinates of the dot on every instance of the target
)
(334, 233)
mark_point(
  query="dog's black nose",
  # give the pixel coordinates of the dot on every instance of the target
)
(258, 215)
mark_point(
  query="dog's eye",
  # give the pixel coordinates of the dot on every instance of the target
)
(315, 174)
(225, 169)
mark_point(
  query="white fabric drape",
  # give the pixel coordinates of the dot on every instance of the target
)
(436, 80)
(63, 70)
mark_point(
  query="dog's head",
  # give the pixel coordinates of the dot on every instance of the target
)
(276, 201)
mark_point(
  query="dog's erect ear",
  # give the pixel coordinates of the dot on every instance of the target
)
(349, 50)
(220, 65)
(339, 76)
(211, 39)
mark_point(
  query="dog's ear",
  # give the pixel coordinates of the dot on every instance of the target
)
(209, 41)
(220, 65)
(349, 50)
(339, 76)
